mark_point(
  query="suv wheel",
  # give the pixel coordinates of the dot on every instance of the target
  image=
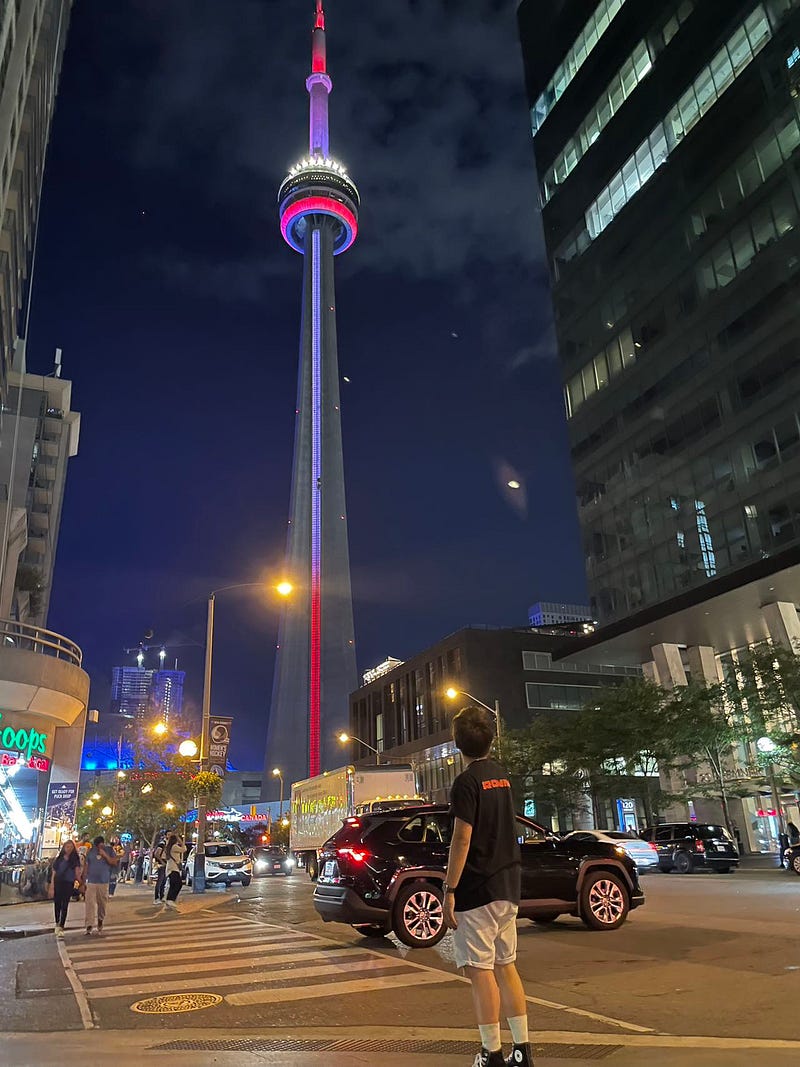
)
(603, 901)
(418, 917)
(796, 863)
(246, 880)
(683, 863)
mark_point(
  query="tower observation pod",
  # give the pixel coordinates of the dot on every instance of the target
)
(315, 669)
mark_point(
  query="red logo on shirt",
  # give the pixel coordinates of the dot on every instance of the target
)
(496, 783)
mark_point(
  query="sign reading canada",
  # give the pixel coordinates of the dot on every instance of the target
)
(22, 742)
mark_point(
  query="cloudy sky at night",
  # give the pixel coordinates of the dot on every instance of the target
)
(162, 275)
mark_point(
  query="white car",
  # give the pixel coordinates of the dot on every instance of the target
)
(226, 863)
(643, 853)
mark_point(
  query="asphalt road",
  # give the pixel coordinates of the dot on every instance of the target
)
(707, 972)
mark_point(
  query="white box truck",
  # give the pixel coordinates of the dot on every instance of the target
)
(320, 805)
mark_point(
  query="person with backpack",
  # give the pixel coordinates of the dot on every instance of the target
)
(66, 874)
(160, 862)
(173, 852)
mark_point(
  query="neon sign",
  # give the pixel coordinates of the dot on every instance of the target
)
(36, 763)
(27, 742)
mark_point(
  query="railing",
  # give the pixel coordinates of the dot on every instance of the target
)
(37, 639)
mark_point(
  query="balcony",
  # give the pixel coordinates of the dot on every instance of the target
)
(42, 683)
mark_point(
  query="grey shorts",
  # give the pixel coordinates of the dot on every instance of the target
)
(486, 936)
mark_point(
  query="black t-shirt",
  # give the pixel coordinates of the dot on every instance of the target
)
(481, 796)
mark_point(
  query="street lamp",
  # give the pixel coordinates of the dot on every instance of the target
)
(187, 748)
(452, 694)
(169, 806)
(95, 796)
(344, 738)
(160, 729)
(277, 773)
(284, 589)
(107, 810)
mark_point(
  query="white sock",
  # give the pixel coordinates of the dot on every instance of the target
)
(490, 1037)
(519, 1029)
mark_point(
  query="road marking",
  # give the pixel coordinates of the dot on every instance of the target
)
(335, 989)
(286, 977)
(80, 996)
(83, 952)
(143, 939)
(182, 958)
(582, 1012)
(89, 975)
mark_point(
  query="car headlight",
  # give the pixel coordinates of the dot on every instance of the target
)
(620, 851)
(261, 863)
(289, 861)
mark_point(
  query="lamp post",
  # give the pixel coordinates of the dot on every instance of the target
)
(452, 693)
(277, 773)
(284, 589)
(344, 738)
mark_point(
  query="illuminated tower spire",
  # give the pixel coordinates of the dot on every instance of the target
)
(315, 668)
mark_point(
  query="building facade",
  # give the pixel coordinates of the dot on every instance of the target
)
(406, 714)
(545, 613)
(666, 138)
(315, 668)
(130, 691)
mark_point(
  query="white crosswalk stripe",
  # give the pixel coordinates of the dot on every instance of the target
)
(258, 963)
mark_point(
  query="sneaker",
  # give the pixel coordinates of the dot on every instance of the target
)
(171, 904)
(88, 931)
(158, 903)
(56, 930)
(485, 1058)
(521, 1056)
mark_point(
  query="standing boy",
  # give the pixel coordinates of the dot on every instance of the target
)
(97, 873)
(482, 890)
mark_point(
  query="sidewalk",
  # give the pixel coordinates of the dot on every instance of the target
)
(129, 901)
(204, 1048)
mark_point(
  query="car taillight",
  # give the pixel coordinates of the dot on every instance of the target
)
(699, 846)
(357, 855)
(652, 845)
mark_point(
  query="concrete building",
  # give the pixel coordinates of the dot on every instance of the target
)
(43, 688)
(315, 668)
(130, 691)
(666, 138)
(405, 714)
(546, 613)
(39, 433)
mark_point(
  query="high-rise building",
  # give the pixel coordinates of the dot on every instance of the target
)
(545, 613)
(39, 434)
(667, 144)
(166, 694)
(316, 669)
(130, 691)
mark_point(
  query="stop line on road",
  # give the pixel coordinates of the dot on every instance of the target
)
(249, 963)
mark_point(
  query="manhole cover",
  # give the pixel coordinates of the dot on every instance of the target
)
(172, 1003)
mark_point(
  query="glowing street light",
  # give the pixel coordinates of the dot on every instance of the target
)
(89, 804)
(277, 773)
(107, 810)
(188, 748)
(160, 729)
(344, 738)
(284, 821)
(95, 796)
(284, 588)
(169, 806)
(451, 693)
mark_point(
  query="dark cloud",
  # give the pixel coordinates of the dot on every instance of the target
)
(437, 141)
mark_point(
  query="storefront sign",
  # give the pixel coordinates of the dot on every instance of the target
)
(19, 735)
(36, 763)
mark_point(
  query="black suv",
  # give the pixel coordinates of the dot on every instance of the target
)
(384, 871)
(689, 846)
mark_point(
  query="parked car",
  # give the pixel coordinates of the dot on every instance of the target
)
(691, 846)
(272, 859)
(643, 853)
(225, 863)
(384, 872)
(791, 858)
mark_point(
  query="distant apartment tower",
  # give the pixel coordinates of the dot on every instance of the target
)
(166, 694)
(546, 613)
(667, 144)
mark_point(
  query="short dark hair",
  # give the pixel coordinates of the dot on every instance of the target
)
(473, 731)
(99, 840)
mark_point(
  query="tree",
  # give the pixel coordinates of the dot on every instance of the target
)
(704, 727)
(766, 690)
(540, 760)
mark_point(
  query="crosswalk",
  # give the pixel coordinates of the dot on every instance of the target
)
(245, 961)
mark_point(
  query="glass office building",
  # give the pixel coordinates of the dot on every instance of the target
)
(667, 140)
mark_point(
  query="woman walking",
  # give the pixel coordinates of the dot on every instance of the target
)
(66, 872)
(174, 854)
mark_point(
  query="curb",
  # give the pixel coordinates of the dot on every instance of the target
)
(8, 933)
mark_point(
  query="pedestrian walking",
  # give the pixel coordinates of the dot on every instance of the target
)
(125, 862)
(100, 860)
(66, 874)
(482, 890)
(174, 857)
(160, 861)
(116, 847)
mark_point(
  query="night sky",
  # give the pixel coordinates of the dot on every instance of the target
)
(162, 275)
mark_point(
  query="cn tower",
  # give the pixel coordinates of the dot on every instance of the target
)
(315, 670)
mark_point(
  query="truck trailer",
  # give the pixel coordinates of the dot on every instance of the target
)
(319, 805)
